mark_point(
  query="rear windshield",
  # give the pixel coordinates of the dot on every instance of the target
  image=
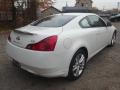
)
(54, 21)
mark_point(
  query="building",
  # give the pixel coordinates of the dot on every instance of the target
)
(84, 3)
(5, 10)
(80, 6)
(22, 12)
(44, 4)
(49, 11)
(16, 13)
(76, 9)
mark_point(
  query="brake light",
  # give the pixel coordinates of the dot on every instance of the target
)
(48, 44)
(9, 38)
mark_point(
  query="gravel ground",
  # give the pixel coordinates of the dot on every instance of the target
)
(102, 73)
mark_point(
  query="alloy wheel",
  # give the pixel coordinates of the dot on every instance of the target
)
(78, 65)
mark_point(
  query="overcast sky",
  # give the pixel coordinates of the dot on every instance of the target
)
(106, 4)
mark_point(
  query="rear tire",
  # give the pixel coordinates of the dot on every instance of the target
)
(77, 65)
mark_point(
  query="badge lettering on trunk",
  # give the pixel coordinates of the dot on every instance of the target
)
(18, 38)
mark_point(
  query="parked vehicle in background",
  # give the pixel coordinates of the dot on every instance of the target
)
(115, 18)
(60, 45)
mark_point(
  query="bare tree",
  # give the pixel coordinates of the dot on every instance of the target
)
(44, 4)
(22, 8)
(13, 10)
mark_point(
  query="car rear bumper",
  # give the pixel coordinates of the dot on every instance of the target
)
(47, 64)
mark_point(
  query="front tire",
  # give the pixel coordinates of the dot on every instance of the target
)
(113, 40)
(77, 65)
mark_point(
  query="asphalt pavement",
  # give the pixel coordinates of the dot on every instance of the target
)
(102, 73)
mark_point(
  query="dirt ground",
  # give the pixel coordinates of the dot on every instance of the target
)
(102, 73)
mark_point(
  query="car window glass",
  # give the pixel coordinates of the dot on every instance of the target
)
(95, 21)
(84, 23)
(54, 21)
(107, 21)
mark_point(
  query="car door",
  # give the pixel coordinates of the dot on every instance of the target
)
(89, 35)
(99, 26)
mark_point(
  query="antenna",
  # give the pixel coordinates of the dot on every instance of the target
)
(118, 5)
(66, 4)
(103, 8)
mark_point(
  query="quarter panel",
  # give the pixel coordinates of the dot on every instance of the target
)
(77, 38)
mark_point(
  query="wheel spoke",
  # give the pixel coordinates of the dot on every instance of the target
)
(78, 72)
(81, 59)
(113, 39)
(79, 65)
(77, 59)
(74, 67)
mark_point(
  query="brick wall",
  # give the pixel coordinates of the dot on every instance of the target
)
(5, 10)
(6, 13)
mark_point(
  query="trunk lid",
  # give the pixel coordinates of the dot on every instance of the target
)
(21, 37)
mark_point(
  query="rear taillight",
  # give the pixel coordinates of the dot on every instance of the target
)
(9, 38)
(48, 44)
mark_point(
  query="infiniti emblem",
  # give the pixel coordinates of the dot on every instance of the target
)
(18, 38)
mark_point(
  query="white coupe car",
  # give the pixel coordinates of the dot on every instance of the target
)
(60, 45)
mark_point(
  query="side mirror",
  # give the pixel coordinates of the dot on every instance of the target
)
(108, 23)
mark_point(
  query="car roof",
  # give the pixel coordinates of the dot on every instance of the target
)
(77, 14)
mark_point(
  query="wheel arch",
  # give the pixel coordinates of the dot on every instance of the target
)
(85, 50)
(81, 48)
(86, 55)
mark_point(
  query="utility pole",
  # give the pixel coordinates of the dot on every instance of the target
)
(13, 10)
(66, 4)
(103, 8)
(118, 5)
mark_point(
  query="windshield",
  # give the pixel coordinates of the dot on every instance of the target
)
(54, 21)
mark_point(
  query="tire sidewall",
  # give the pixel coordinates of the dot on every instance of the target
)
(114, 35)
(70, 73)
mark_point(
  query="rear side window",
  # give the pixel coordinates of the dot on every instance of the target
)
(84, 23)
(54, 21)
(95, 21)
